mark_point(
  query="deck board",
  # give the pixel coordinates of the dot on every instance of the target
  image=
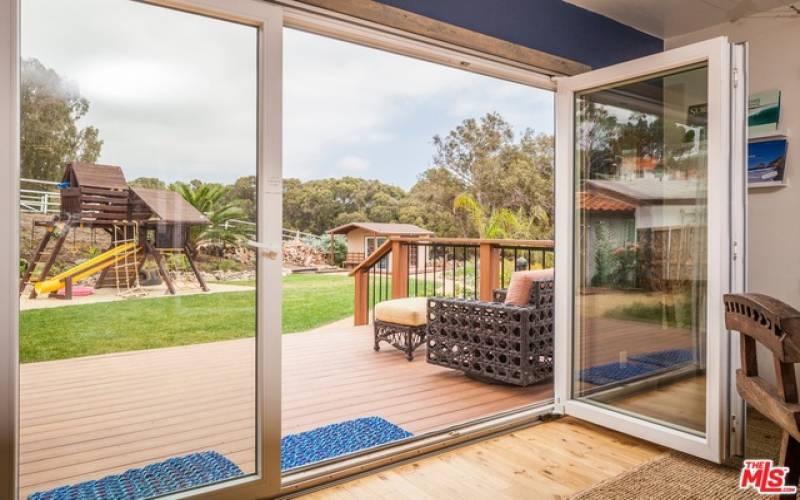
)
(85, 418)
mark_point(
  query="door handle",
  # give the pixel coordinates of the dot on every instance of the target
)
(270, 251)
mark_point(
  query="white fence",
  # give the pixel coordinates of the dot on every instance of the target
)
(288, 234)
(39, 201)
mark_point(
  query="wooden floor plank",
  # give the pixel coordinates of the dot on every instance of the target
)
(551, 460)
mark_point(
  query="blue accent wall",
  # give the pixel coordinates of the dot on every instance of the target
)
(552, 26)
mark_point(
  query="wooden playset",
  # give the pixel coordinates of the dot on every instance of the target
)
(142, 224)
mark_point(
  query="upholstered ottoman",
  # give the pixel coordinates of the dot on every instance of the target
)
(401, 323)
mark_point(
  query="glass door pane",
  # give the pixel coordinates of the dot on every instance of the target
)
(138, 319)
(641, 164)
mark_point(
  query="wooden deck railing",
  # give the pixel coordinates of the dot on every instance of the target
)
(353, 259)
(454, 267)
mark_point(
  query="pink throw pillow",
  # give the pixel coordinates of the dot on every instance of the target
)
(519, 289)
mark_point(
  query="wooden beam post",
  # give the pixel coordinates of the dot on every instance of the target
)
(157, 257)
(68, 288)
(188, 252)
(489, 271)
(399, 270)
(361, 298)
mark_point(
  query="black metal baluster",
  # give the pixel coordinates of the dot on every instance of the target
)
(502, 267)
(515, 260)
(464, 272)
(453, 278)
(434, 270)
(444, 271)
(443, 250)
(530, 261)
(408, 268)
(475, 274)
(425, 275)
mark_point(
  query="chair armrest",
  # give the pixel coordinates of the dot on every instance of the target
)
(451, 307)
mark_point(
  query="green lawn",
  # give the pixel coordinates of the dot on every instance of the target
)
(66, 332)
(677, 315)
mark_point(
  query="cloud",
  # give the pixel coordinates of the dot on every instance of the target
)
(340, 96)
(353, 164)
(174, 95)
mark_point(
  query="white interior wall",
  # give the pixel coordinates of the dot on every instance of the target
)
(774, 230)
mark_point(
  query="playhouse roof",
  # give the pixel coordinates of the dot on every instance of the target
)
(98, 176)
(382, 228)
(170, 206)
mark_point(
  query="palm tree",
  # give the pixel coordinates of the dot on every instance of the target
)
(209, 199)
(490, 223)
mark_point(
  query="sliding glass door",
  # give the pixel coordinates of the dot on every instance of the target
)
(147, 240)
(645, 245)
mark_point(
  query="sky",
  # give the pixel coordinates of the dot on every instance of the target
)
(174, 95)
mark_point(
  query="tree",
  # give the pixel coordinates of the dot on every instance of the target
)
(148, 183)
(596, 134)
(209, 199)
(467, 151)
(243, 194)
(489, 223)
(502, 174)
(318, 205)
(429, 203)
(49, 133)
(605, 267)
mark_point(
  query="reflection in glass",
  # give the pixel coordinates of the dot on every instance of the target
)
(640, 253)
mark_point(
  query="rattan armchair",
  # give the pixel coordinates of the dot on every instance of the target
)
(493, 341)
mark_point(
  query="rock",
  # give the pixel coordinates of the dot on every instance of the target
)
(296, 253)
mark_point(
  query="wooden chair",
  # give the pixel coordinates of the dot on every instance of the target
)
(776, 326)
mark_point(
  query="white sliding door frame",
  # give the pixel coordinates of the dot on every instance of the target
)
(716, 53)
(739, 228)
(268, 20)
(9, 228)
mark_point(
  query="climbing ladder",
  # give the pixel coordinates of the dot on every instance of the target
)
(57, 231)
(126, 268)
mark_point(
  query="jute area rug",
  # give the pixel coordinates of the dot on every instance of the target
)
(672, 476)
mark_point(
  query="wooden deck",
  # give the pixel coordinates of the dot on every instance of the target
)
(85, 418)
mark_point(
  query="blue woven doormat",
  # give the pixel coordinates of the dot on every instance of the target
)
(337, 439)
(207, 467)
(156, 479)
(638, 365)
(665, 359)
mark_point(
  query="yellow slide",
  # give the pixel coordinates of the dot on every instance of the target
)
(86, 269)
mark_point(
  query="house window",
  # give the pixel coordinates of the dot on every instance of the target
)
(372, 243)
